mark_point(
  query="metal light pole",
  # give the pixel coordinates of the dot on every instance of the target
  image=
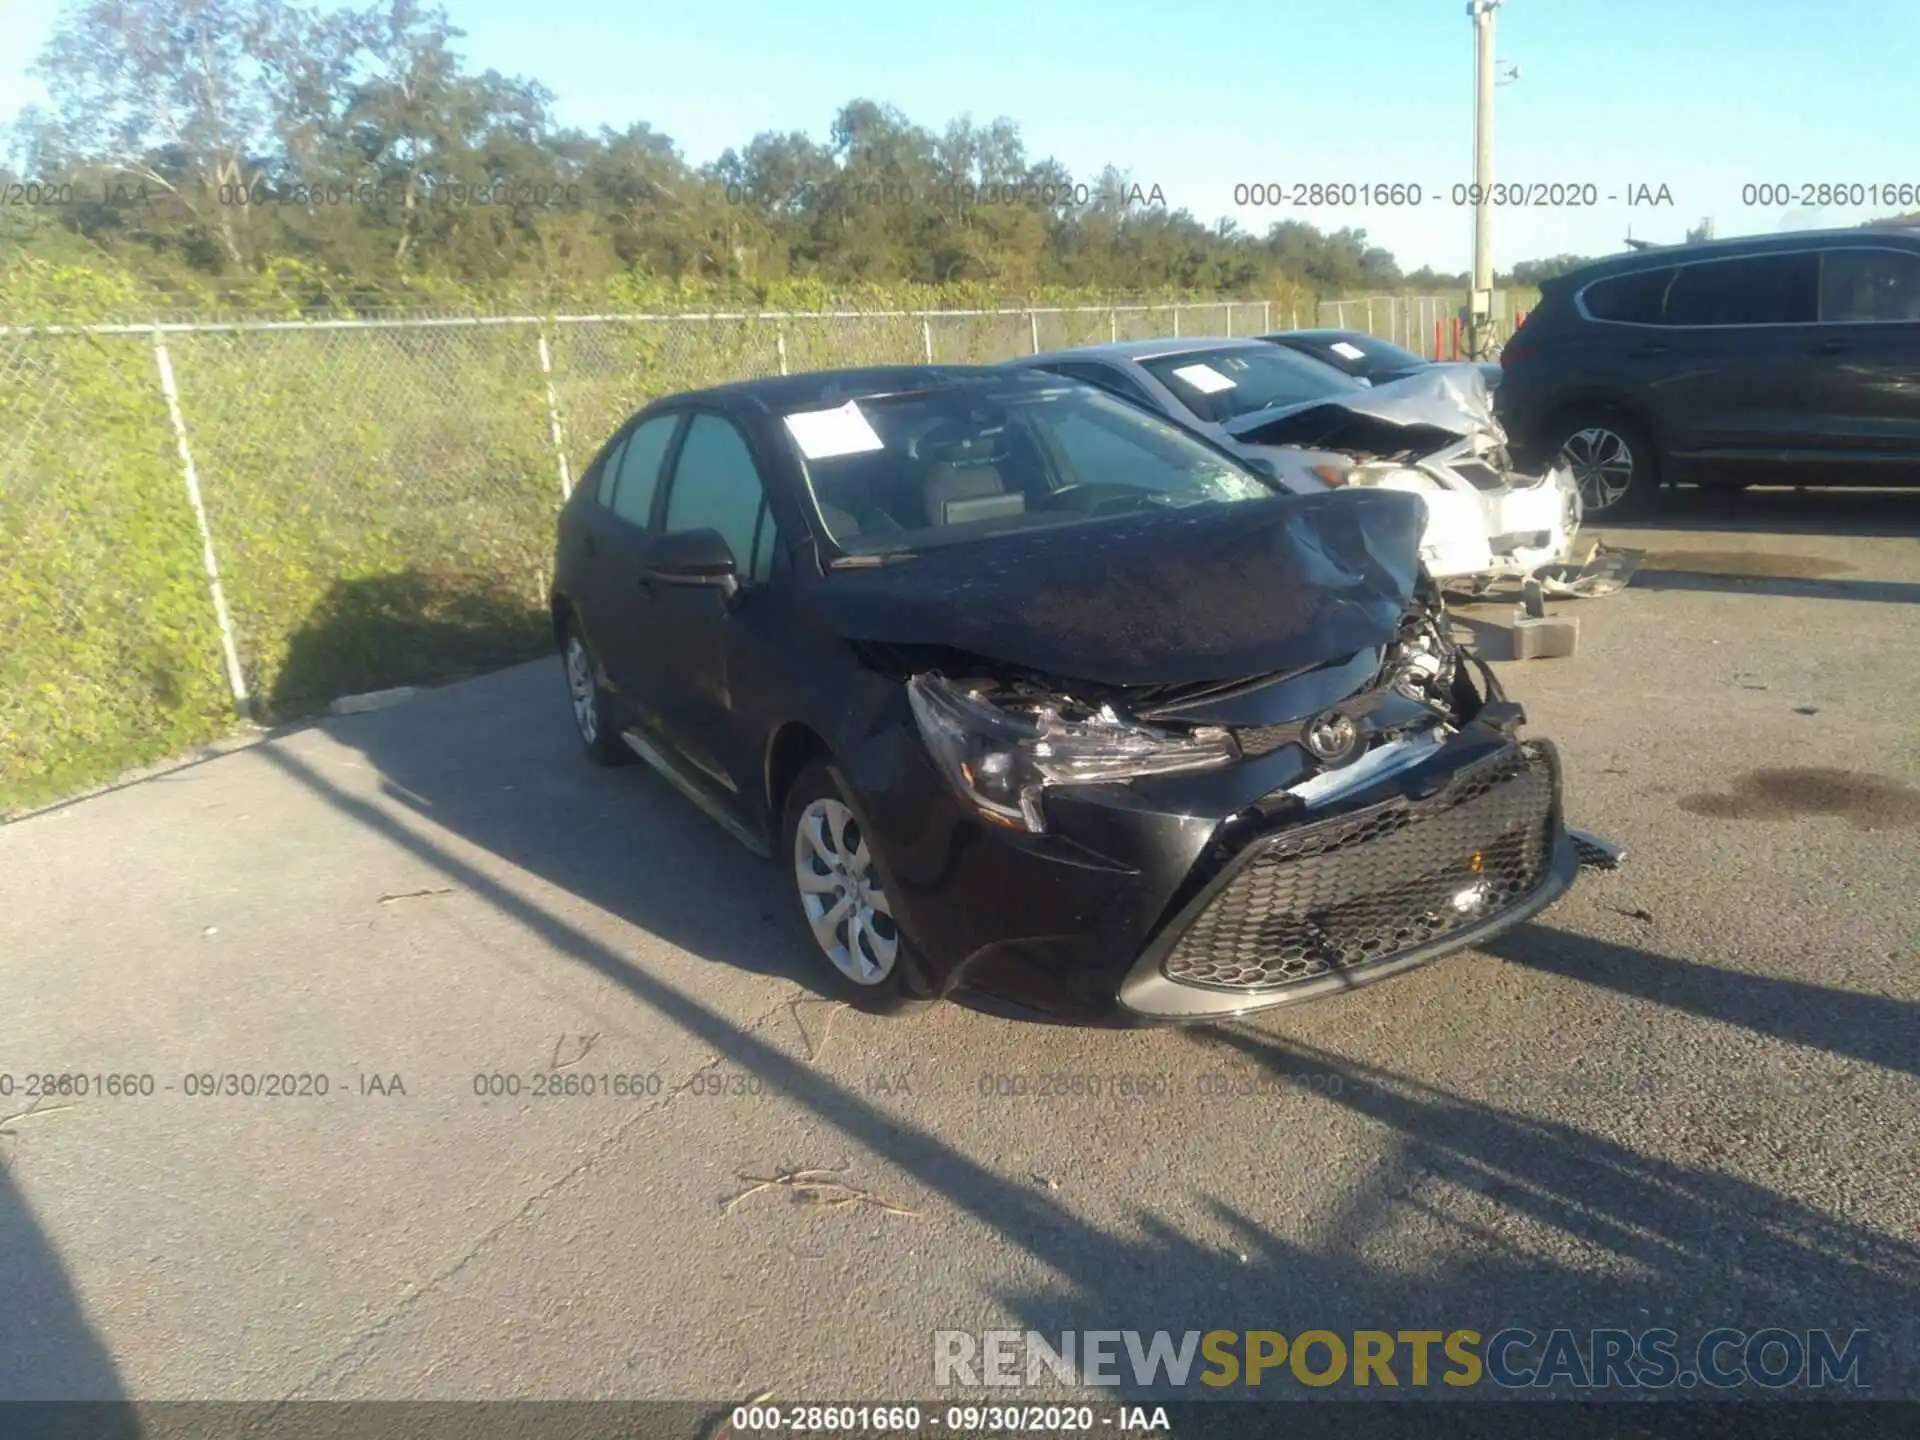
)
(1480, 302)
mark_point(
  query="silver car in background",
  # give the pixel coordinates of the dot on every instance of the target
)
(1312, 426)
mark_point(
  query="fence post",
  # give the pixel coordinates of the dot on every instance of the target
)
(1176, 319)
(1266, 314)
(780, 347)
(236, 682)
(926, 336)
(1229, 310)
(1033, 327)
(1113, 325)
(553, 419)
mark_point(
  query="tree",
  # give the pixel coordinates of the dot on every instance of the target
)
(168, 94)
(384, 162)
(1535, 272)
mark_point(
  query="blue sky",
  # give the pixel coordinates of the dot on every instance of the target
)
(1201, 96)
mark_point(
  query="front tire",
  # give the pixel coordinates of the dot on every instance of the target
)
(840, 896)
(1613, 464)
(594, 719)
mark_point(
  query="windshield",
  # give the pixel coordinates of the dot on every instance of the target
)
(905, 472)
(1219, 385)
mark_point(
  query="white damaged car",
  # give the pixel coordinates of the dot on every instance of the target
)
(1311, 426)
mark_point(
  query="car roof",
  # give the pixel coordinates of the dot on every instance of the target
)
(780, 394)
(1327, 335)
(1142, 349)
(1658, 257)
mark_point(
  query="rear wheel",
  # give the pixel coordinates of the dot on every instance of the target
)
(593, 713)
(841, 896)
(1612, 463)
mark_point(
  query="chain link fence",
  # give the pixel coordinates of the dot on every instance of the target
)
(255, 517)
(1432, 326)
(109, 650)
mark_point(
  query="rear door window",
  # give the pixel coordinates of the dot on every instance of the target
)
(1753, 290)
(1865, 287)
(639, 470)
(609, 472)
(1633, 299)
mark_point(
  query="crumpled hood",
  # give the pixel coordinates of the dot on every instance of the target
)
(1176, 597)
(1452, 401)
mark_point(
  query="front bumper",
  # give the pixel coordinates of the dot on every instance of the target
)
(1112, 913)
(1535, 526)
(1509, 532)
(1335, 903)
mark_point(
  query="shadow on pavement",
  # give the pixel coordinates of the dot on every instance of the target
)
(1886, 592)
(1874, 1028)
(496, 761)
(48, 1349)
(1814, 511)
(1640, 1241)
(1636, 1242)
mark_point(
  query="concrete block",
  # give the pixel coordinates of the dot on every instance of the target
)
(1545, 637)
(1523, 637)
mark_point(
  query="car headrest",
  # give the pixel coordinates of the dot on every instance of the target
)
(959, 443)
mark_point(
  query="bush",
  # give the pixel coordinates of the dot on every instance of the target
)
(109, 654)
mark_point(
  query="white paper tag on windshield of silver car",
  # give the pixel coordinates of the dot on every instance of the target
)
(1205, 379)
(823, 434)
(1346, 351)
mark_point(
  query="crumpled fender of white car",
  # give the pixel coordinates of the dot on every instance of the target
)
(1512, 528)
(1455, 540)
(1507, 532)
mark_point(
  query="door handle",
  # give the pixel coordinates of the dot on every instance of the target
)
(1828, 347)
(646, 584)
(587, 547)
(1647, 352)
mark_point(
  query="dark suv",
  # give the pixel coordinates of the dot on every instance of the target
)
(1779, 359)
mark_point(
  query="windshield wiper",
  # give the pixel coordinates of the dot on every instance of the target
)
(870, 562)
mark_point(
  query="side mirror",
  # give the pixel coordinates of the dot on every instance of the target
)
(1264, 465)
(695, 557)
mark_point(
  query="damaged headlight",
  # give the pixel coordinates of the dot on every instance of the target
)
(999, 757)
(1421, 663)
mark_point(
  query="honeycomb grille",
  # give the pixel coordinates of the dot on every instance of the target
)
(1258, 740)
(1358, 889)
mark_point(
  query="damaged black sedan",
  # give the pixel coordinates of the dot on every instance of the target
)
(1037, 698)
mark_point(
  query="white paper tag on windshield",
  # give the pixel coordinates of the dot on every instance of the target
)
(1205, 379)
(823, 434)
(1346, 351)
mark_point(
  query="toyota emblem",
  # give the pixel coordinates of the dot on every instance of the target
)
(1331, 736)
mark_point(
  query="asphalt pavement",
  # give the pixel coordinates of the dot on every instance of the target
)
(1685, 1096)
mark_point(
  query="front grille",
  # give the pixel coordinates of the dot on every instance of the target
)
(1258, 740)
(1348, 892)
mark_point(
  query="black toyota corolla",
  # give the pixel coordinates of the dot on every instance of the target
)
(1035, 697)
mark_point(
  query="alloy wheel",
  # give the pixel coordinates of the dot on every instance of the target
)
(586, 709)
(1602, 465)
(846, 908)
